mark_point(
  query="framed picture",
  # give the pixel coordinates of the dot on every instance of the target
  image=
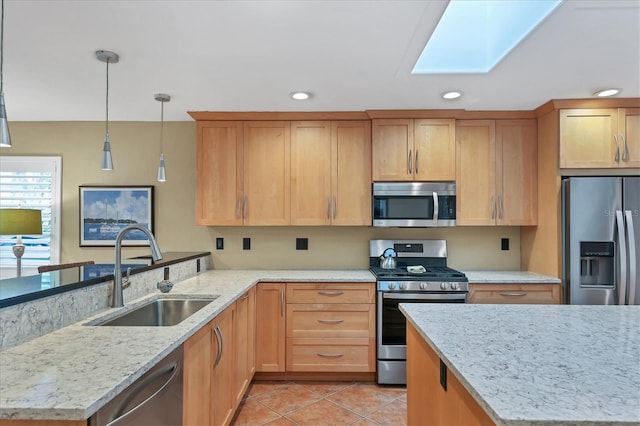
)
(106, 210)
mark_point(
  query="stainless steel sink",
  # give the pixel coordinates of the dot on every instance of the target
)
(158, 313)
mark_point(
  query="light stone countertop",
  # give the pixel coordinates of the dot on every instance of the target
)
(511, 277)
(540, 364)
(72, 372)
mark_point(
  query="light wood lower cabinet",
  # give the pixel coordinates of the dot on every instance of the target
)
(428, 403)
(514, 293)
(270, 327)
(330, 327)
(219, 365)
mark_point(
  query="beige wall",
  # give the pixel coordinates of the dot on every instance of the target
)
(135, 148)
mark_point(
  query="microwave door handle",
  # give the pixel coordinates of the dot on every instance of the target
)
(622, 243)
(436, 207)
(633, 259)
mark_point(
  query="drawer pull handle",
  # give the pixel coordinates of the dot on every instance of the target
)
(513, 294)
(331, 293)
(330, 355)
(335, 321)
(246, 296)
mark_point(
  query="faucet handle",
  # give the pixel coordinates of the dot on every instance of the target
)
(125, 281)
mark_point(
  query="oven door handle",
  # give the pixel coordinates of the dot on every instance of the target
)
(423, 296)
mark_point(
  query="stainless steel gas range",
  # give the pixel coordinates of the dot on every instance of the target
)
(421, 275)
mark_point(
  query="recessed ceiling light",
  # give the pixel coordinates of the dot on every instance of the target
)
(452, 94)
(606, 92)
(473, 36)
(300, 96)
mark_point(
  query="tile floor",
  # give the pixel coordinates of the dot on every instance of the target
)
(286, 403)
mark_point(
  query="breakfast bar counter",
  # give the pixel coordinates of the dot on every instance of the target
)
(533, 364)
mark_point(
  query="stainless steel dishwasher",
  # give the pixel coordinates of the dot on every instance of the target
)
(154, 399)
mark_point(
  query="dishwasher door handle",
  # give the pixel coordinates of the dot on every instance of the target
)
(121, 415)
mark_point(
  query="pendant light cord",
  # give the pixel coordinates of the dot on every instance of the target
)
(161, 127)
(107, 97)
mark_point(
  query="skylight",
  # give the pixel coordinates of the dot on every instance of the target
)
(474, 35)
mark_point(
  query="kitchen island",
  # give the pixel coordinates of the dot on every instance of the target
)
(524, 364)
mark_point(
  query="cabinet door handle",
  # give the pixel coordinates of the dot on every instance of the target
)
(410, 165)
(245, 208)
(625, 151)
(617, 156)
(239, 207)
(501, 207)
(493, 207)
(417, 163)
(216, 331)
(511, 294)
(330, 355)
(331, 293)
(335, 207)
(331, 321)
(281, 303)
(246, 296)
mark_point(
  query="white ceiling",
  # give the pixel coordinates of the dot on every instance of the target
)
(352, 55)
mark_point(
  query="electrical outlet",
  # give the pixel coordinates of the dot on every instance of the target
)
(246, 244)
(166, 273)
(302, 244)
(219, 243)
(197, 265)
(504, 244)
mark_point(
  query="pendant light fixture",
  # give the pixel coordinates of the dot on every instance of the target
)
(5, 138)
(162, 98)
(109, 58)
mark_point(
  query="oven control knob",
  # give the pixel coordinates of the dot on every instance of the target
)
(392, 286)
(424, 286)
(455, 286)
(403, 286)
(444, 286)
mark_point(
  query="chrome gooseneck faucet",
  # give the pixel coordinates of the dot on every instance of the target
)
(116, 299)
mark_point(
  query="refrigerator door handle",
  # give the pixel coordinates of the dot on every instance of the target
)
(622, 244)
(633, 259)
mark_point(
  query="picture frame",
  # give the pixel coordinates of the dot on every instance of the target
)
(105, 210)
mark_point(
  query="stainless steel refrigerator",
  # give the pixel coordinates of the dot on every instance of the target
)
(601, 234)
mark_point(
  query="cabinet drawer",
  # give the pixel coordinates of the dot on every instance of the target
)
(344, 355)
(514, 293)
(330, 293)
(330, 320)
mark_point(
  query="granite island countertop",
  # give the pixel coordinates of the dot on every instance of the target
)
(540, 364)
(71, 373)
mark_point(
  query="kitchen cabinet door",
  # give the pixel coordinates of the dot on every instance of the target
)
(589, 138)
(244, 341)
(222, 391)
(517, 171)
(311, 199)
(434, 150)
(392, 146)
(629, 129)
(198, 363)
(267, 172)
(351, 173)
(270, 327)
(219, 163)
(475, 172)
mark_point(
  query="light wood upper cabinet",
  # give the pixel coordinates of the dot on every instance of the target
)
(219, 164)
(330, 173)
(496, 172)
(600, 138)
(408, 149)
(267, 172)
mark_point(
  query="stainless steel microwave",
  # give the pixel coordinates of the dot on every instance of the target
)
(414, 204)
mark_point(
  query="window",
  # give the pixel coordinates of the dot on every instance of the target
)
(34, 183)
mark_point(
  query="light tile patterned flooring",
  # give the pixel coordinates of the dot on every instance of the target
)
(287, 403)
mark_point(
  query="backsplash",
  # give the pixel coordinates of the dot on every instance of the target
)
(26, 321)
